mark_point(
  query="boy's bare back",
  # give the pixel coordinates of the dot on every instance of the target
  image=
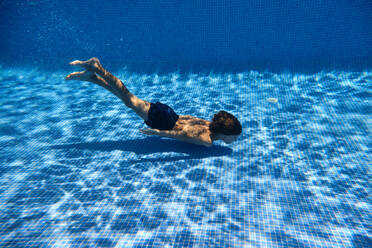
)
(187, 128)
(193, 127)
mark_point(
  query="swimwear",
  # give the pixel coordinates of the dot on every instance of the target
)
(161, 116)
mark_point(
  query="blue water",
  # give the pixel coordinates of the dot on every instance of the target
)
(231, 35)
(76, 172)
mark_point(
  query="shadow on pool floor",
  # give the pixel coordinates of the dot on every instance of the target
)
(151, 145)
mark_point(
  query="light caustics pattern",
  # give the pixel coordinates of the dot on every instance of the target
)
(75, 171)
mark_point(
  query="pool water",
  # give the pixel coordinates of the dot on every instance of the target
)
(76, 172)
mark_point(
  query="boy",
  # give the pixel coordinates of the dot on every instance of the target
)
(160, 117)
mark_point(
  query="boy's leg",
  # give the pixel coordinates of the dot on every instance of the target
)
(140, 106)
(92, 77)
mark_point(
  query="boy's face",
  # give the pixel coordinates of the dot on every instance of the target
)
(228, 139)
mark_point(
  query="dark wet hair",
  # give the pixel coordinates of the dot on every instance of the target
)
(225, 123)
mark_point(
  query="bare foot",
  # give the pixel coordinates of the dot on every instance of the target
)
(91, 64)
(81, 75)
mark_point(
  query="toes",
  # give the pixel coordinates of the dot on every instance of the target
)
(73, 75)
(81, 75)
(90, 64)
(76, 62)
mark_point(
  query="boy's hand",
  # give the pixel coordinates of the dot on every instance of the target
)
(150, 131)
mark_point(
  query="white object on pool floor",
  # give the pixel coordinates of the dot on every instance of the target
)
(272, 100)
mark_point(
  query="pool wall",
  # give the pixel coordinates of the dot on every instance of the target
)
(298, 36)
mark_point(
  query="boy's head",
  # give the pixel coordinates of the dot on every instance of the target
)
(226, 126)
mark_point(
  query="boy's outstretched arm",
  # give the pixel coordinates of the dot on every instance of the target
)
(179, 135)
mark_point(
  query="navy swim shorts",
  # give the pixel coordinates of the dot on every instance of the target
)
(161, 116)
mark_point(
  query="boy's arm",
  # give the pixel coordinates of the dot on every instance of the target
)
(179, 135)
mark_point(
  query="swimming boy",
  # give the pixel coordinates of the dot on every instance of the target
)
(160, 117)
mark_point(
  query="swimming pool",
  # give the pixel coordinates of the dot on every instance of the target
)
(76, 172)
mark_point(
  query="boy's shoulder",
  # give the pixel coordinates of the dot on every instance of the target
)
(192, 120)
